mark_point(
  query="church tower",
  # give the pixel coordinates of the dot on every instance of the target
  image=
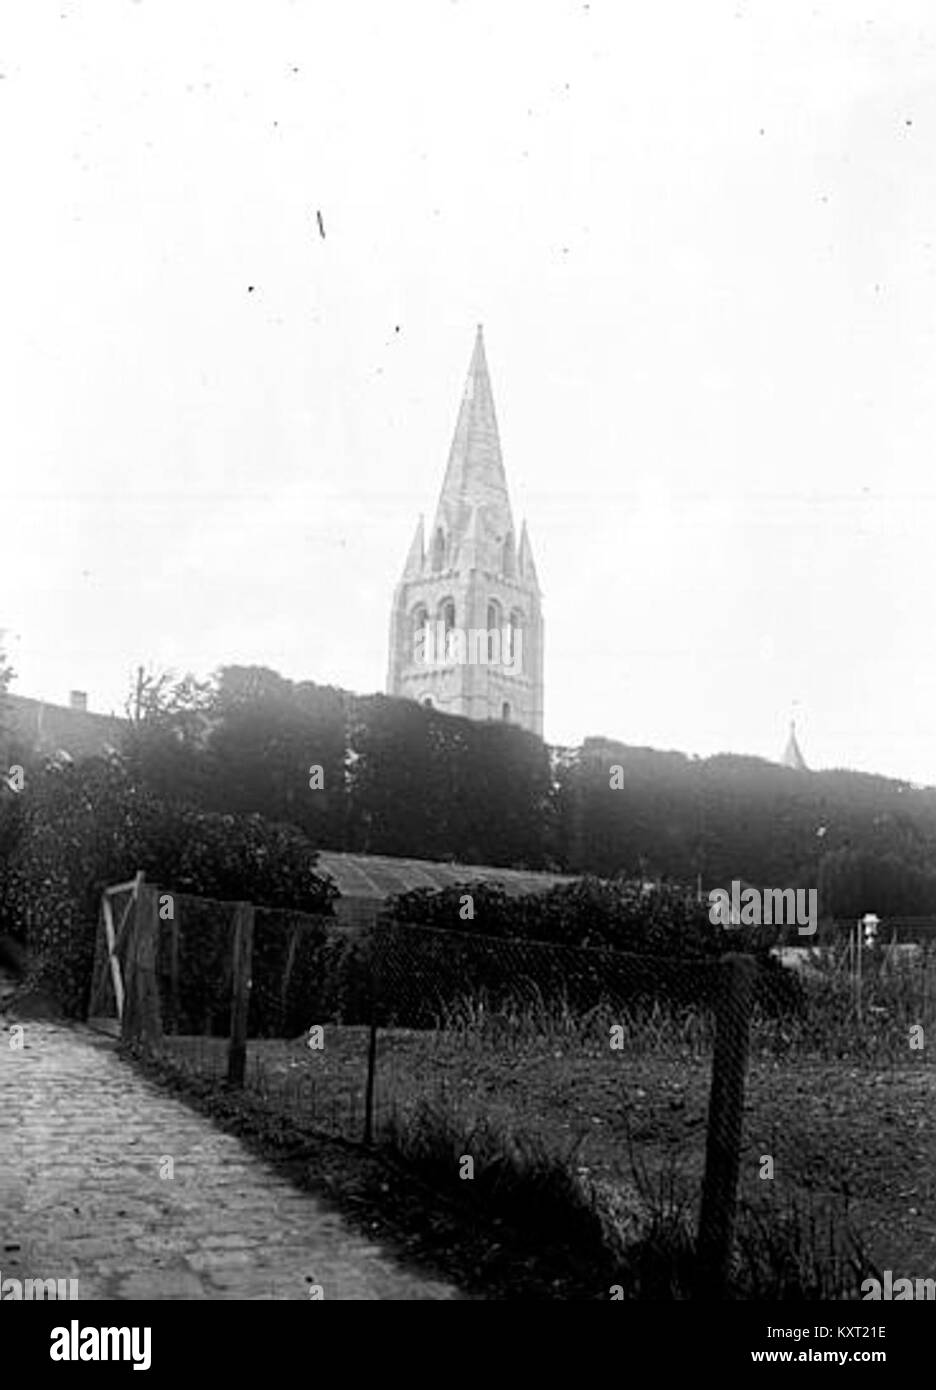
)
(466, 631)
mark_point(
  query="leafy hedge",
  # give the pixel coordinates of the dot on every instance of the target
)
(644, 944)
(619, 915)
(81, 827)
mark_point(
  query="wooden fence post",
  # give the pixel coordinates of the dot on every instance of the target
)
(240, 992)
(147, 945)
(129, 1013)
(723, 1140)
(131, 1026)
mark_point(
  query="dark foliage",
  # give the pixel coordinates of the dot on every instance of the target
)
(586, 943)
(403, 780)
(86, 826)
(395, 778)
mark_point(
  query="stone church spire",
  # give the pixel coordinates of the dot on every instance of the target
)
(474, 477)
(470, 573)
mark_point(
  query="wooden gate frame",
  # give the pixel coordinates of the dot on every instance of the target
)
(136, 991)
(114, 935)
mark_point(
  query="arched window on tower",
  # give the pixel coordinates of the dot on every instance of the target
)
(438, 549)
(447, 619)
(418, 632)
(494, 620)
(505, 712)
(514, 642)
(510, 555)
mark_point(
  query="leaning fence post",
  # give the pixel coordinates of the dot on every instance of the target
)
(723, 1140)
(240, 992)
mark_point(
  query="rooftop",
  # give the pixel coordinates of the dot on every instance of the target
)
(380, 876)
(49, 728)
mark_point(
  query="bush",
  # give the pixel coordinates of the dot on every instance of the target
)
(641, 945)
(620, 915)
(89, 825)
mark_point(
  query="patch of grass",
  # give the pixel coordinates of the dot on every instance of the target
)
(785, 1253)
(828, 1024)
(641, 1235)
(793, 1254)
(509, 1179)
(659, 1027)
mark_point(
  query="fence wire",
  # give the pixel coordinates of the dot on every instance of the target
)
(633, 1071)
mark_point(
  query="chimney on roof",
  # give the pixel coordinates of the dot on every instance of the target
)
(78, 699)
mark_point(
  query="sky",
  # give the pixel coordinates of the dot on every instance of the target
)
(701, 239)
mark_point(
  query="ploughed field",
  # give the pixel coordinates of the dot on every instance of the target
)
(842, 1136)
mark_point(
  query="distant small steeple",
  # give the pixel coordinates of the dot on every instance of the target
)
(792, 756)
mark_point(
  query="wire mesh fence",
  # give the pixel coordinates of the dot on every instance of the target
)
(633, 1072)
(410, 1021)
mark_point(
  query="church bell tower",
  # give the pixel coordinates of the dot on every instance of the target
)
(466, 630)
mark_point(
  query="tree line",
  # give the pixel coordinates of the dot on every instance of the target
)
(374, 774)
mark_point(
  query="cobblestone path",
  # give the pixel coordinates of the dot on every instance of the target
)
(84, 1192)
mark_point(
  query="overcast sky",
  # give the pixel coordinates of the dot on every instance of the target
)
(701, 238)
